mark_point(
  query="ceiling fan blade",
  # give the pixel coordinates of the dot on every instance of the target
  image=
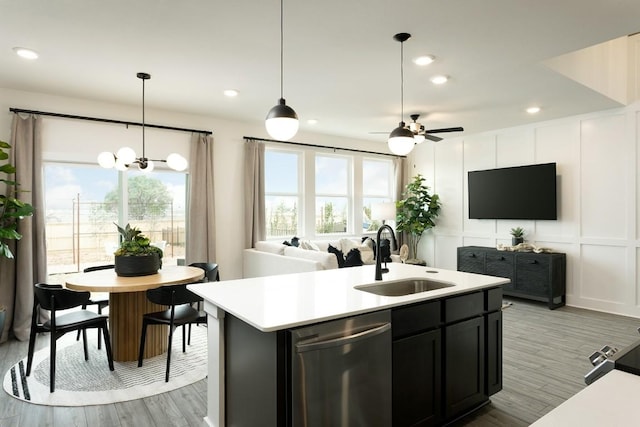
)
(458, 129)
(432, 138)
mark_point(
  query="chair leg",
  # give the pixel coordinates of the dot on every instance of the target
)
(184, 340)
(52, 362)
(84, 307)
(143, 338)
(99, 335)
(107, 344)
(84, 344)
(189, 340)
(32, 344)
(171, 329)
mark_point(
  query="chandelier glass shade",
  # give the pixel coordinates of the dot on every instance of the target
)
(126, 156)
(282, 121)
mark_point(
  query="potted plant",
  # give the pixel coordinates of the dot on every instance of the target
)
(416, 213)
(12, 210)
(136, 256)
(517, 236)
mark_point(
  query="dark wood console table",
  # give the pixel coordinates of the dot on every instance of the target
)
(540, 277)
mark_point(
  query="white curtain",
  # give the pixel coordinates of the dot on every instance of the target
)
(254, 204)
(18, 275)
(401, 179)
(201, 230)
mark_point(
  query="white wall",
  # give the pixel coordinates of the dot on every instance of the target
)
(228, 152)
(598, 226)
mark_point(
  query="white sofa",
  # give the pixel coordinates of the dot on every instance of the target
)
(269, 258)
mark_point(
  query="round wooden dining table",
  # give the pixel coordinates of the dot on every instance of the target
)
(128, 302)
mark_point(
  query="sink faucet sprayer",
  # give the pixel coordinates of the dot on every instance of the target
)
(379, 269)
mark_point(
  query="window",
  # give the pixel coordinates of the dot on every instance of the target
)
(282, 193)
(377, 179)
(84, 201)
(333, 193)
(311, 193)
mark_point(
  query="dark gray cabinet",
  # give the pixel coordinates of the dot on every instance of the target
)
(447, 357)
(540, 277)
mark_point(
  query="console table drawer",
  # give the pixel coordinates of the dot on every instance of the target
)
(532, 274)
(471, 260)
(501, 264)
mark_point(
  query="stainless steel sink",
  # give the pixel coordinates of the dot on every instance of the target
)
(403, 287)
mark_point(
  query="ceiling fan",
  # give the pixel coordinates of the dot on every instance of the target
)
(420, 133)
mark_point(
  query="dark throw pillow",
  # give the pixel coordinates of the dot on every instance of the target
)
(286, 243)
(353, 258)
(385, 250)
(338, 253)
(295, 242)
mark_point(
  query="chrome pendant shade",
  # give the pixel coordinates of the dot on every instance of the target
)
(401, 139)
(126, 156)
(282, 121)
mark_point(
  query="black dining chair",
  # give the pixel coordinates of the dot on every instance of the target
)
(55, 298)
(99, 301)
(211, 274)
(179, 313)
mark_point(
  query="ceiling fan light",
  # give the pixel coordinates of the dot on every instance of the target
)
(401, 140)
(176, 162)
(419, 138)
(106, 159)
(121, 165)
(127, 155)
(282, 121)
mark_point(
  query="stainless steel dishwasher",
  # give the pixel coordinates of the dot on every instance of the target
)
(341, 372)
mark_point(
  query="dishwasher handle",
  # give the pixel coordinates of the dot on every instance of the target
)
(349, 339)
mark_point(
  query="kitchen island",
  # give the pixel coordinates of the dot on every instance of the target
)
(267, 307)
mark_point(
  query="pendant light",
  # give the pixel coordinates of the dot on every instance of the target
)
(282, 120)
(126, 156)
(401, 139)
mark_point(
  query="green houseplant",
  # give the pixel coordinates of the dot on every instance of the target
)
(12, 209)
(136, 256)
(517, 235)
(416, 213)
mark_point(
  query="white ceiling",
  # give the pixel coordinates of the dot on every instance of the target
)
(341, 64)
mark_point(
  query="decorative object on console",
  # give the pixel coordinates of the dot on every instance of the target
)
(125, 156)
(416, 213)
(282, 120)
(523, 247)
(136, 256)
(11, 208)
(517, 234)
(404, 253)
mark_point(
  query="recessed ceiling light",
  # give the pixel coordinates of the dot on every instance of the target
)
(312, 121)
(231, 93)
(424, 60)
(533, 110)
(438, 80)
(25, 53)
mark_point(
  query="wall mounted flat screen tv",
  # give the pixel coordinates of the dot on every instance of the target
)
(521, 192)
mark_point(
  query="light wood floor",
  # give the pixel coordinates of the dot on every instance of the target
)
(545, 360)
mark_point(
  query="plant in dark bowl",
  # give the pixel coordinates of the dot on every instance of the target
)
(136, 256)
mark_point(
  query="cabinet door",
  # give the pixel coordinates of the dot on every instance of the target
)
(501, 264)
(417, 380)
(532, 274)
(471, 260)
(464, 366)
(494, 352)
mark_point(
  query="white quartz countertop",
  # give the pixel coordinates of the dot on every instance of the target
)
(611, 401)
(286, 301)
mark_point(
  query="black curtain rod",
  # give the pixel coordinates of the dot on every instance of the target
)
(97, 119)
(304, 144)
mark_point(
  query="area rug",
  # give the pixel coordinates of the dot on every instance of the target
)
(80, 382)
